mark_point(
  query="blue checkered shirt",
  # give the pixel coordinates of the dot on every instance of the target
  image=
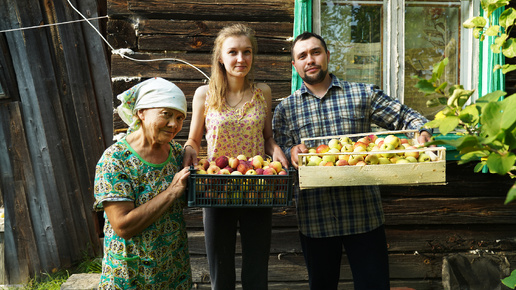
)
(347, 108)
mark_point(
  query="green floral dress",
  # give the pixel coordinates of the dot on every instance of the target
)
(158, 257)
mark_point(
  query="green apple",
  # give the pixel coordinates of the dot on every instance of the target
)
(383, 160)
(402, 160)
(345, 140)
(371, 159)
(329, 158)
(335, 144)
(354, 159)
(392, 139)
(387, 147)
(347, 148)
(423, 157)
(411, 159)
(314, 161)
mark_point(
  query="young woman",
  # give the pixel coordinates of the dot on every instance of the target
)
(235, 114)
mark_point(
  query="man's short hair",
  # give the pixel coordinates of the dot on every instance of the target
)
(304, 36)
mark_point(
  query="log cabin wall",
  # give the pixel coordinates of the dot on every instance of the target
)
(426, 226)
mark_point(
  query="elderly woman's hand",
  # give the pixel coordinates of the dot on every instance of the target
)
(178, 184)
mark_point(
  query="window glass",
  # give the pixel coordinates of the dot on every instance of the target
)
(353, 32)
(431, 34)
(2, 94)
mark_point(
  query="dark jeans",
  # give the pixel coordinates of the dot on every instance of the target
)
(367, 255)
(220, 231)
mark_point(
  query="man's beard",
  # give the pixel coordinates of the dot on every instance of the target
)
(319, 77)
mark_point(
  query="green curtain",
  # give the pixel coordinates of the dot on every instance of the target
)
(302, 23)
(489, 81)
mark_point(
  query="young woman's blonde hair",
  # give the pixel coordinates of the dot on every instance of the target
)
(218, 80)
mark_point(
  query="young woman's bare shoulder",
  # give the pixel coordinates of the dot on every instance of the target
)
(264, 87)
(200, 92)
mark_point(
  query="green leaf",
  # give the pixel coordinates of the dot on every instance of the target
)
(441, 87)
(425, 87)
(499, 43)
(479, 167)
(490, 119)
(493, 30)
(434, 102)
(471, 156)
(509, 48)
(448, 124)
(500, 164)
(507, 68)
(475, 22)
(491, 97)
(508, 106)
(433, 124)
(469, 115)
(511, 280)
(491, 5)
(507, 17)
(439, 69)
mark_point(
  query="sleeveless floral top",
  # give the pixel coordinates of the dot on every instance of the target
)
(236, 131)
(158, 257)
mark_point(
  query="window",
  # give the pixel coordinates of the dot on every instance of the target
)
(2, 94)
(375, 42)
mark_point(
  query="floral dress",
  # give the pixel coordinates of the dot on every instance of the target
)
(158, 257)
(235, 131)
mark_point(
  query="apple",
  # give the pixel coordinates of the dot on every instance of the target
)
(243, 167)
(314, 160)
(221, 161)
(383, 160)
(364, 140)
(329, 158)
(424, 157)
(371, 159)
(400, 147)
(341, 162)
(269, 171)
(236, 172)
(312, 150)
(257, 161)
(251, 172)
(204, 163)
(347, 148)
(323, 148)
(372, 138)
(411, 159)
(200, 169)
(344, 157)
(387, 147)
(233, 162)
(283, 172)
(241, 157)
(392, 139)
(335, 144)
(402, 160)
(354, 159)
(224, 171)
(329, 163)
(404, 141)
(361, 163)
(360, 144)
(213, 169)
(378, 140)
(345, 140)
(414, 154)
(260, 171)
(276, 165)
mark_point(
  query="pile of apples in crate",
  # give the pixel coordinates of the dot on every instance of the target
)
(368, 150)
(240, 165)
(270, 190)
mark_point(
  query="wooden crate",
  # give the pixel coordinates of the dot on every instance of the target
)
(420, 173)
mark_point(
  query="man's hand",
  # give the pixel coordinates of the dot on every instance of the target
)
(301, 148)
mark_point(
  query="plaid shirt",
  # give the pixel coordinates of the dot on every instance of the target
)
(347, 108)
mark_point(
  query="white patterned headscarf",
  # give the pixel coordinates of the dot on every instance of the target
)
(152, 93)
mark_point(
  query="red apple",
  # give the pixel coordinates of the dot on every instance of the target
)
(323, 148)
(221, 161)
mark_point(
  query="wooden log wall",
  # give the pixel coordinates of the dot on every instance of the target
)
(54, 126)
(425, 224)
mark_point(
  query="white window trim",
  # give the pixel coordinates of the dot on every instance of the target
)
(393, 83)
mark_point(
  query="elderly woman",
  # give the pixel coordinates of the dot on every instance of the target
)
(139, 183)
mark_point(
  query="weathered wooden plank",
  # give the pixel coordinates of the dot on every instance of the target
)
(408, 240)
(22, 257)
(263, 29)
(155, 42)
(121, 34)
(281, 10)
(268, 67)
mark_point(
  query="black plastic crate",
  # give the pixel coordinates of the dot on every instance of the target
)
(225, 190)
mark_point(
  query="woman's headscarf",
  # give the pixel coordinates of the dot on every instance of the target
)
(152, 93)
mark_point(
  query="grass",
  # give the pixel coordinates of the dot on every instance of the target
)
(54, 280)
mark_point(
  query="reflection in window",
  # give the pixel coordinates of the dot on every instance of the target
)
(353, 33)
(2, 94)
(431, 34)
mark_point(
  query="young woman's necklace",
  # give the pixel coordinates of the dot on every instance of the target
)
(232, 107)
